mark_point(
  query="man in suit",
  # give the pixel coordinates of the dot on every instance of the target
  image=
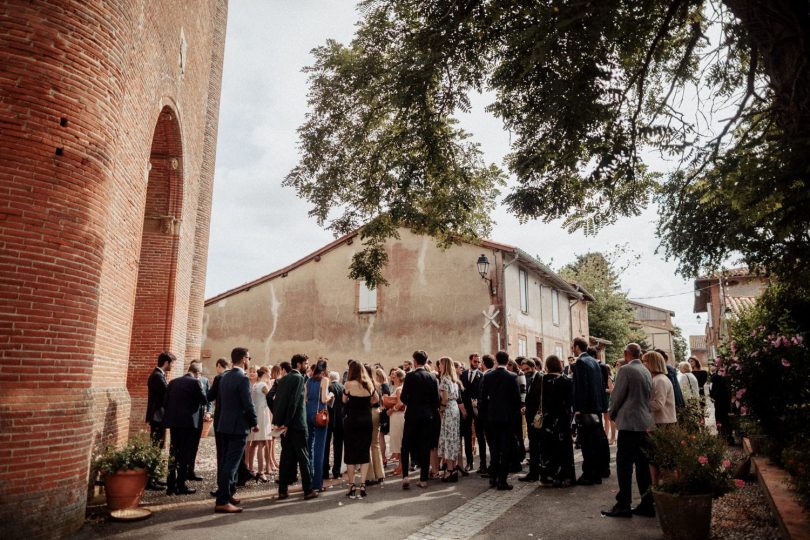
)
(205, 414)
(420, 394)
(470, 380)
(630, 409)
(589, 404)
(156, 396)
(236, 416)
(533, 395)
(289, 412)
(334, 432)
(185, 401)
(221, 367)
(500, 397)
(156, 387)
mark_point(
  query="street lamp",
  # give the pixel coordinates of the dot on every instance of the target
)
(483, 270)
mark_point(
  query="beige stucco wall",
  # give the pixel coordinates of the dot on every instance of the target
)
(435, 301)
(536, 323)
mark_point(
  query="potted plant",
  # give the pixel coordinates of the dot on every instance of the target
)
(694, 471)
(126, 470)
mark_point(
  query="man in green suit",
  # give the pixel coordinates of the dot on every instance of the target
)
(289, 413)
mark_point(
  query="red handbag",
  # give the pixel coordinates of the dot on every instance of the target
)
(322, 418)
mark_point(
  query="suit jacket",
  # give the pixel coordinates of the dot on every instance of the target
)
(535, 383)
(288, 406)
(471, 387)
(500, 396)
(420, 393)
(184, 402)
(672, 375)
(235, 410)
(630, 399)
(212, 395)
(589, 393)
(156, 386)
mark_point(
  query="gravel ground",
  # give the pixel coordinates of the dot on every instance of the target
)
(744, 514)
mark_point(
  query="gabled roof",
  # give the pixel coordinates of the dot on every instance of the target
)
(738, 304)
(521, 256)
(582, 290)
(665, 310)
(697, 343)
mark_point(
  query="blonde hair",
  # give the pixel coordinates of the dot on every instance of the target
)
(447, 368)
(685, 367)
(399, 374)
(379, 376)
(654, 362)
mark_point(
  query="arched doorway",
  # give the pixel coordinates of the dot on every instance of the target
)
(152, 321)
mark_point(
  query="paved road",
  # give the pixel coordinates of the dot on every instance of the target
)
(464, 510)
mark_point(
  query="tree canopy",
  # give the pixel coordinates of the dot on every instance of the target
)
(587, 89)
(609, 315)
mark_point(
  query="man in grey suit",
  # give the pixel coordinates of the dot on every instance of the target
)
(236, 417)
(630, 409)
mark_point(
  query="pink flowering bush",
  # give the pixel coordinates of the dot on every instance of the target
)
(692, 460)
(768, 362)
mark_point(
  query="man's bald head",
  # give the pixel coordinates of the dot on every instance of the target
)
(633, 350)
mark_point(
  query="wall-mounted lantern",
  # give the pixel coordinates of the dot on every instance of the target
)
(483, 270)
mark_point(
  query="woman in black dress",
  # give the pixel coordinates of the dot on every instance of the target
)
(556, 450)
(358, 397)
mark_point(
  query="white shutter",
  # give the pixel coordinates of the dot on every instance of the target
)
(368, 299)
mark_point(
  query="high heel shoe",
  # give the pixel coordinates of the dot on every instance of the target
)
(362, 491)
(261, 478)
(453, 478)
(352, 494)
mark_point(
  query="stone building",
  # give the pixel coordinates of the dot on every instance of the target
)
(725, 295)
(656, 323)
(436, 300)
(109, 115)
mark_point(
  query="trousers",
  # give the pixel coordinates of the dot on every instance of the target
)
(294, 454)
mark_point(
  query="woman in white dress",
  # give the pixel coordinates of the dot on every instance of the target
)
(397, 419)
(259, 441)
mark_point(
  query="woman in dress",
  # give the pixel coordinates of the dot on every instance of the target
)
(396, 418)
(358, 398)
(556, 440)
(376, 473)
(688, 382)
(259, 441)
(662, 399)
(449, 437)
(317, 397)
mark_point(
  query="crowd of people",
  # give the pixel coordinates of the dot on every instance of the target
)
(425, 416)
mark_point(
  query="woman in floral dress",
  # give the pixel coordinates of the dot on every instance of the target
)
(449, 436)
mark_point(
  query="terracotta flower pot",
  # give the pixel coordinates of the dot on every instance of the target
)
(125, 488)
(684, 517)
(206, 428)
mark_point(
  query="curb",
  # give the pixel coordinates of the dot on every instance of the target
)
(794, 522)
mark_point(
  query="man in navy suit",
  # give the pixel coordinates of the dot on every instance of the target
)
(420, 393)
(184, 400)
(500, 398)
(236, 416)
(589, 404)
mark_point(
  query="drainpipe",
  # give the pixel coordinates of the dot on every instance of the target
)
(503, 303)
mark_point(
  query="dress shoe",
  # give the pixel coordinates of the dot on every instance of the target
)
(281, 496)
(646, 510)
(234, 501)
(504, 487)
(195, 477)
(493, 483)
(482, 470)
(213, 493)
(170, 491)
(227, 509)
(546, 481)
(185, 491)
(155, 487)
(584, 481)
(606, 473)
(529, 478)
(311, 494)
(618, 511)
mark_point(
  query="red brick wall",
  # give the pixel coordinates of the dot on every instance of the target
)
(82, 87)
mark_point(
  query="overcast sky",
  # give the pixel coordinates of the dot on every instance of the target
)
(257, 226)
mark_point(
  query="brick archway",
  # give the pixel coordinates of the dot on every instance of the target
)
(152, 321)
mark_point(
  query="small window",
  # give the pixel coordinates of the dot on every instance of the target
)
(368, 299)
(555, 307)
(539, 348)
(524, 291)
(709, 313)
(558, 350)
(523, 346)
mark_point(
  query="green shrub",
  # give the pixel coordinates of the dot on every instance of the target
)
(138, 453)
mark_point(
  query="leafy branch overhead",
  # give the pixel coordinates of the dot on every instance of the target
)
(587, 89)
